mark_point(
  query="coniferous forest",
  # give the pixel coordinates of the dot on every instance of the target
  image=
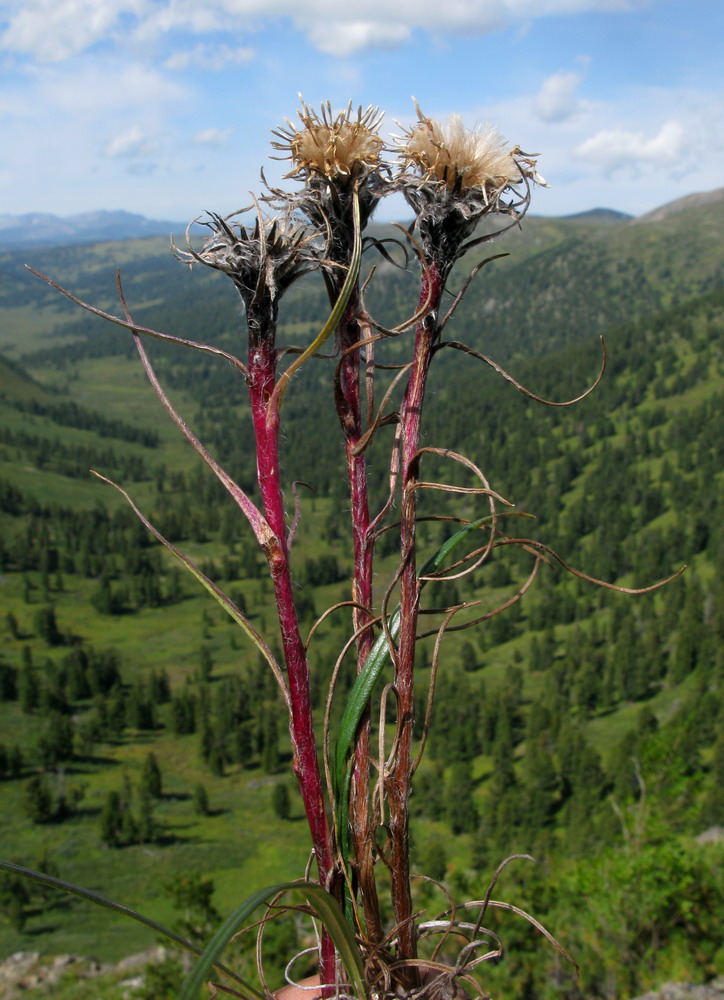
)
(142, 744)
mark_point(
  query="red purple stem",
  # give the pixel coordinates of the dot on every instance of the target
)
(349, 410)
(261, 380)
(398, 784)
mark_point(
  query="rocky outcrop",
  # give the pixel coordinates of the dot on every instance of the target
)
(27, 970)
(688, 991)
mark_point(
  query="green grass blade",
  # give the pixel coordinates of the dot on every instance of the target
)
(378, 656)
(358, 698)
(110, 904)
(438, 558)
(362, 691)
(326, 908)
(334, 317)
(333, 919)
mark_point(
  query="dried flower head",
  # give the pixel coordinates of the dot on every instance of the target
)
(453, 154)
(334, 146)
(338, 158)
(453, 176)
(262, 261)
(464, 158)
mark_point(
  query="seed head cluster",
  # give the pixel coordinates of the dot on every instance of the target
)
(455, 155)
(451, 177)
(341, 145)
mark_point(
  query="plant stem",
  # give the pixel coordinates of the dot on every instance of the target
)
(348, 408)
(399, 781)
(261, 380)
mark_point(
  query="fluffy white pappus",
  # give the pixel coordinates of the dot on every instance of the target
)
(464, 158)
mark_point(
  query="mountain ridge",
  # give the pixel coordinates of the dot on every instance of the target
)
(684, 204)
(47, 229)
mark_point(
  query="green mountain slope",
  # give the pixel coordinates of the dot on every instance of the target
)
(579, 275)
(582, 726)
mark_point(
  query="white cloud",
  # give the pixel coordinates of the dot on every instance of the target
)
(196, 18)
(453, 17)
(556, 100)
(211, 57)
(212, 137)
(54, 30)
(614, 148)
(133, 143)
(344, 39)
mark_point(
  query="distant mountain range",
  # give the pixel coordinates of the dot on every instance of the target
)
(601, 215)
(43, 229)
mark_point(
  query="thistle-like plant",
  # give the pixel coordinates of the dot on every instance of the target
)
(356, 780)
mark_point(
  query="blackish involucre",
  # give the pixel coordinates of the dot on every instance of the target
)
(262, 262)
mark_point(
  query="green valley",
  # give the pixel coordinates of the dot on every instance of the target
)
(142, 741)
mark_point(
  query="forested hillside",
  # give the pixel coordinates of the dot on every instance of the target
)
(142, 740)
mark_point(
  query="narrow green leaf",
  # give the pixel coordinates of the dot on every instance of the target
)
(378, 656)
(438, 558)
(333, 919)
(326, 908)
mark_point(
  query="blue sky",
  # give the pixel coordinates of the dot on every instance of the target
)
(165, 107)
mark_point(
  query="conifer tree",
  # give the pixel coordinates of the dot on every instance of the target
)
(56, 744)
(200, 800)
(151, 779)
(37, 800)
(11, 624)
(281, 802)
(8, 682)
(147, 829)
(129, 827)
(46, 625)
(14, 898)
(460, 810)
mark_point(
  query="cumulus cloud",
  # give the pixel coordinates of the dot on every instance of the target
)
(195, 18)
(212, 137)
(132, 143)
(615, 148)
(556, 100)
(340, 39)
(53, 30)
